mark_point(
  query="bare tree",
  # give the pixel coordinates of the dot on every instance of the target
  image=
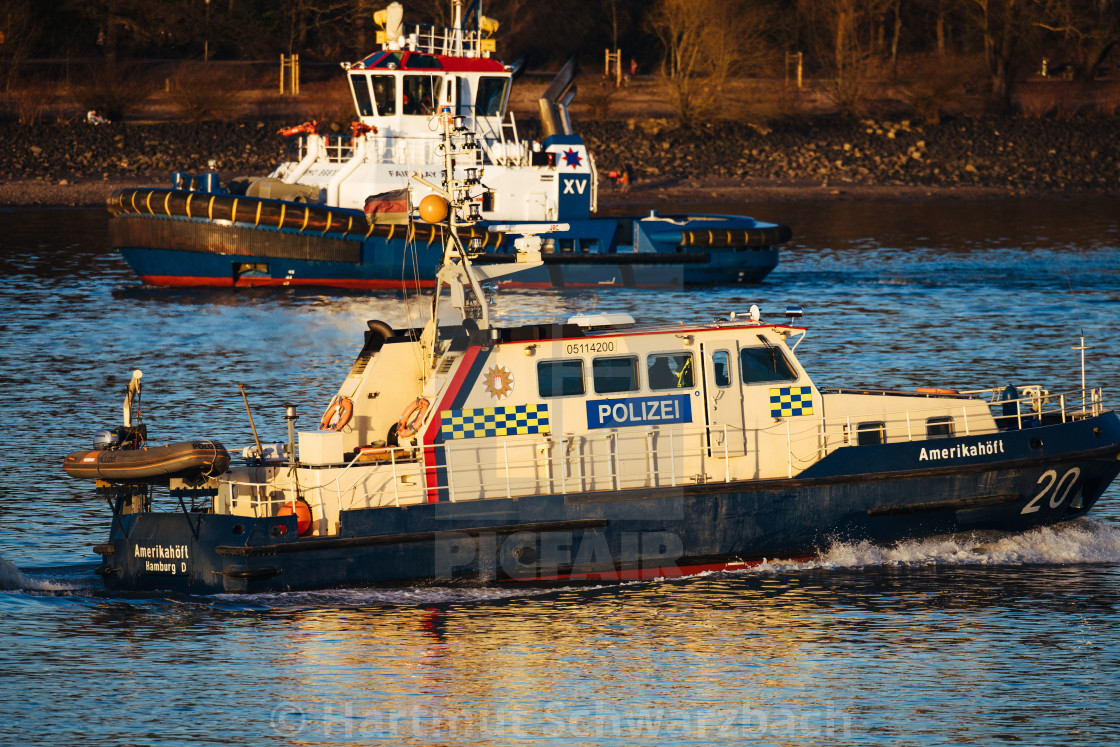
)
(705, 43)
(1090, 30)
(1010, 30)
(17, 33)
(848, 30)
(122, 25)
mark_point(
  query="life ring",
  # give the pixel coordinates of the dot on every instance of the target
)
(413, 415)
(934, 390)
(337, 415)
(311, 126)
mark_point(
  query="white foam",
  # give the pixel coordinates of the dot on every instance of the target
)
(416, 595)
(13, 579)
(1081, 541)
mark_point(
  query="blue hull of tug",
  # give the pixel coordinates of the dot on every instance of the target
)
(184, 239)
(882, 494)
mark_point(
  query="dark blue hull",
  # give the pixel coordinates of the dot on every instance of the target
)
(881, 494)
(222, 241)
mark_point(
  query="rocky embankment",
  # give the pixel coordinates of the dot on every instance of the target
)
(1019, 154)
(1003, 155)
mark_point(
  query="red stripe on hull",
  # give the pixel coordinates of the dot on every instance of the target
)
(435, 424)
(565, 284)
(180, 281)
(649, 574)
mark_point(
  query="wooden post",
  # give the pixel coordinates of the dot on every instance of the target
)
(290, 63)
(614, 57)
(796, 59)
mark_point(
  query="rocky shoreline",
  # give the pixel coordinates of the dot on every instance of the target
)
(968, 157)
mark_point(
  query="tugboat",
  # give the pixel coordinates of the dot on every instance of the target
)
(335, 213)
(594, 449)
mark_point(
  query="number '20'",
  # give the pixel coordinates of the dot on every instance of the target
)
(1061, 489)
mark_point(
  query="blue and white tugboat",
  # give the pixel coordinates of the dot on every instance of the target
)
(336, 214)
(593, 448)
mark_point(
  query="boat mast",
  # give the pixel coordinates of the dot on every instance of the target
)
(133, 391)
(456, 28)
(462, 278)
(466, 293)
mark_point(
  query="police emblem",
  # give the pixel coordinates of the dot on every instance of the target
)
(498, 382)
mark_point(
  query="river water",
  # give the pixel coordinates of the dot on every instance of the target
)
(960, 640)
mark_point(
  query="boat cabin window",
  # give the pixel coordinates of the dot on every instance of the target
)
(618, 374)
(384, 93)
(423, 62)
(939, 427)
(669, 371)
(491, 96)
(457, 92)
(560, 378)
(420, 94)
(391, 60)
(870, 434)
(721, 365)
(765, 364)
(360, 84)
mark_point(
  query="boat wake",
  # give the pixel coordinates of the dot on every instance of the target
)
(1082, 541)
(13, 579)
(1079, 541)
(418, 596)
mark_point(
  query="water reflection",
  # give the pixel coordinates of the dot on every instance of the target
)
(844, 654)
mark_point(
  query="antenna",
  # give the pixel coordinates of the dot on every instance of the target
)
(457, 271)
(1082, 347)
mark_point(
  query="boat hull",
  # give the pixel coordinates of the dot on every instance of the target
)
(1038, 477)
(182, 239)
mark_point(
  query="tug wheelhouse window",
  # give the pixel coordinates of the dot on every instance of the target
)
(384, 93)
(669, 371)
(360, 84)
(870, 434)
(420, 92)
(939, 427)
(765, 364)
(560, 378)
(618, 374)
(491, 96)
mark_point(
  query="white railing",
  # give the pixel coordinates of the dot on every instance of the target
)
(397, 150)
(673, 456)
(443, 40)
(503, 146)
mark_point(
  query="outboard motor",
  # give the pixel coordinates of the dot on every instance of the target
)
(105, 440)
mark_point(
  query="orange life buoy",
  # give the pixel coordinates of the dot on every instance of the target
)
(310, 126)
(412, 417)
(934, 390)
(337, 415)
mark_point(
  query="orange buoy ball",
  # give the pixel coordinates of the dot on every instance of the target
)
(433, 209)
(303, 515)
